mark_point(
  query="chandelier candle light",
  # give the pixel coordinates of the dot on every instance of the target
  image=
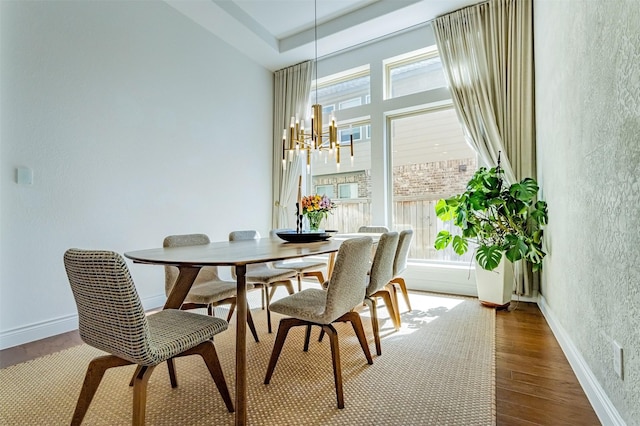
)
(316, 141)
(313, 142)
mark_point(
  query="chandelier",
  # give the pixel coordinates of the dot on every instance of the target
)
(314, 142)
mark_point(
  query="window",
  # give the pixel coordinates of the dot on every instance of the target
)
(350, 103)
(408, 153)
(430, 160)
(346, 89)
(325, 190)
(344, 135)
(415, 73)
(348, 190)
(327, 110)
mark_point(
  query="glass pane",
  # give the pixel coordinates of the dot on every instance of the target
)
(342, 93)
(325, 190)
(351, 183)
(430, 160)
(417, 76)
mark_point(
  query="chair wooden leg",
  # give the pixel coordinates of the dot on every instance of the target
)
(172, 373)
(356, 322)
(394, 294)
(318, 274)
(140, 395)
(95, 371)
(232, 308)
(335, 357)
(374, 324)
(289, 286)
(251, 325)
(307, 337)
(283, 330)
(299, 276)
(272, 291)
(207, 351)
(389, 302)
(403, 288)
(134, 376)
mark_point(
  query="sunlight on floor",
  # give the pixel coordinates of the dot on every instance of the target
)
(426, 307)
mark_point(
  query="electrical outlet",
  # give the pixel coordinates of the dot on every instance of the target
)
(618, 358)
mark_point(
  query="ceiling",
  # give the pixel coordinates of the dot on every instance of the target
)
(279, 33)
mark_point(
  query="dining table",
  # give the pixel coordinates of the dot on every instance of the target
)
(237, 254)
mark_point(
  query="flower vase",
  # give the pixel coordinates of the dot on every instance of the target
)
(314, 221)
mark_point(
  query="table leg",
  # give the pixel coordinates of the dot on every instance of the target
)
(185, 279)
(241, 345)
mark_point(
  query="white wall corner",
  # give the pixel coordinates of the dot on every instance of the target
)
(602, 405)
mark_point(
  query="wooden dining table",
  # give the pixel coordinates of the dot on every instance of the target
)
(189, 260)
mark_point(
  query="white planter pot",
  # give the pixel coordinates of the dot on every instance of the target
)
(495, 287)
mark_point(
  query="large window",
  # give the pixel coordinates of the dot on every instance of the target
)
(409, 151)
(430, 160)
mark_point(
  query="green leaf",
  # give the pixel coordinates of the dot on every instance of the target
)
(488, 257)
(535, 255)
(442, 240)
(460, 245)
(444, 210)
(526, 190)
(516, 248)
(539, 213)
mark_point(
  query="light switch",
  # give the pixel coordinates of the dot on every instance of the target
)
(24, 176)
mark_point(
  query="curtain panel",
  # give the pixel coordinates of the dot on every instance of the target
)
(487, 54)
(292, 88)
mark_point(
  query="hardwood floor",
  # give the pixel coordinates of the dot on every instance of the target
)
(534, 382)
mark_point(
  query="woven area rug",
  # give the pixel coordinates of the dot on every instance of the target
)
(437, 370)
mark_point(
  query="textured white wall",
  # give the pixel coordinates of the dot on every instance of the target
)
(587, 56)
(137, 123)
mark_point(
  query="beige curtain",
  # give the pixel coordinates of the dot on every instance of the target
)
(291, 97)
(487, 54)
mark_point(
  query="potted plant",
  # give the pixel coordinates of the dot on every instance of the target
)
(501, 221)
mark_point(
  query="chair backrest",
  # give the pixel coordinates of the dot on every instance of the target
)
(110, 314)
(382, 266)
(373, 229)
(349, 278)
(402, 252)
(207, 273)
(242, 236)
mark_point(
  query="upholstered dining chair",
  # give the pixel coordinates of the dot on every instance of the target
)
(379, 285)
(208, 290)
(111, 318)
(373, 229)
(304, 268)
(309, 307)
(400, 264)
(264, 275)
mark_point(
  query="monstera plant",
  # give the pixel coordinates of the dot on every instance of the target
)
(498, 219)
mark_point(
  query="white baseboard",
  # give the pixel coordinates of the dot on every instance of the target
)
(53, 327)
(602, 405)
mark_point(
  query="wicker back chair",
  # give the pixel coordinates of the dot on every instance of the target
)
(111, 318)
